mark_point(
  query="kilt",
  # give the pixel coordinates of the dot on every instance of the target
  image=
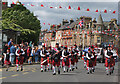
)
(42, 59)
(94, 61)
(65, 61)
(108, 62)
(72, 60)
(48, 60)
(56, 63)
(112, 62)
(76, 58)
(19, 60)
(89, 63)
(6, 62)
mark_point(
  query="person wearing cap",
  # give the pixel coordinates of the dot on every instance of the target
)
(94, 58)
(113, 59)
(19, 57)
(50, 50)
(89, 57)
(43, 54)
(56, 58)
(65, 59)
(108, 55)
(75, 50)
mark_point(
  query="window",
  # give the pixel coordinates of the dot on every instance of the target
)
(99, 28)
(98, 39)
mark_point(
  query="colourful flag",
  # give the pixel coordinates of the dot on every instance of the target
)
(78, 7)
(81, 23)
(96, 11)
(69, 7)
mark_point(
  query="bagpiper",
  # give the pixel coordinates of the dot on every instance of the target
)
(108, 64)
(113, 59)
(43, 54)
(56, 59)
(65, 59)
(89, 56)
(19, 57)
(93, 59)
(75, 50)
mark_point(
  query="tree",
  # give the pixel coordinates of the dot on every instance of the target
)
(22, 17)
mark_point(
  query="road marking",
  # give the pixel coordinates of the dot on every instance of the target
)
(0, 69)
(33, 71)
(15, 75)
(3, 77)
(25, 73)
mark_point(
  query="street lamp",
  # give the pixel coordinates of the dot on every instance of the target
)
(18, 34)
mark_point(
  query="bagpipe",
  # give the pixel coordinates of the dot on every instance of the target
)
(53, 56)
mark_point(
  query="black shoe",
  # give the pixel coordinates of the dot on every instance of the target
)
(45, 70)
(72, 69)
(48, 69)
(54, 73)
(107, 74)
(113, 68)
(21, 69)
(41, 70)
(64, 71)
(67, 70)
(87, 72)
(17, 70)
(76, 68)
(6, 69)
(59, 72)
(84, 66)
(93, 70)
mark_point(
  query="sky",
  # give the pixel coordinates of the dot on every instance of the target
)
(56, 15)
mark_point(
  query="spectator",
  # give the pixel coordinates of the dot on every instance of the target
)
(36, 54)
(9, 43)
(12, 53)
(28, 54)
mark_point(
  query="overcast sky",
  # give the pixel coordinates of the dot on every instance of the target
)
(56, 15)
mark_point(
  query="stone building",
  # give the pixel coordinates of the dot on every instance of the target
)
(91, 33)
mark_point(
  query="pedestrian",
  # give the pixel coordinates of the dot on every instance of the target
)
(56, 59)
(36, 54)
(9, 43)
(108, 55)
(65, 60)
(12, 53)
(28, 54)
(89, 61)
(19, 57)
(43, 58)
(7, 59)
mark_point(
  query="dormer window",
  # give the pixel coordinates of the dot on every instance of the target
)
(99, 28)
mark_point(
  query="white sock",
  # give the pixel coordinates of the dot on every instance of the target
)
(41, 67)
(54, 69)
(63, 68)
(17, 66)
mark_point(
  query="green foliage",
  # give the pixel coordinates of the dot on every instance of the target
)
(21, 19)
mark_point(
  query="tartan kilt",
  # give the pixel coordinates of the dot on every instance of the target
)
(56, 63)
(72, 61)
(19, 60)
(112, 62)
(48, 59)
(76, 58)
(94, 61)
(42, 59)
(6, 62)
(65, 61)
(107, 62)
(89, 63)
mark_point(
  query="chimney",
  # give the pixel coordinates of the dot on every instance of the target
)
(64, 22)
(71, 20)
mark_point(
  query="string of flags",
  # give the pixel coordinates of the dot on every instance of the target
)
(68, 34)
(69, 7)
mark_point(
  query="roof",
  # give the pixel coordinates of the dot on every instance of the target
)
(100, 20)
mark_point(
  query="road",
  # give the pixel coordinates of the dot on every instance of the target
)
(32, 73)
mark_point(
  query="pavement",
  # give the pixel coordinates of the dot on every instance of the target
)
(31, 73)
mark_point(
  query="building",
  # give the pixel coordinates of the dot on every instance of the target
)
(93, 32)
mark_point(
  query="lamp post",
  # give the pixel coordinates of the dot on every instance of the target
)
(18, 34)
